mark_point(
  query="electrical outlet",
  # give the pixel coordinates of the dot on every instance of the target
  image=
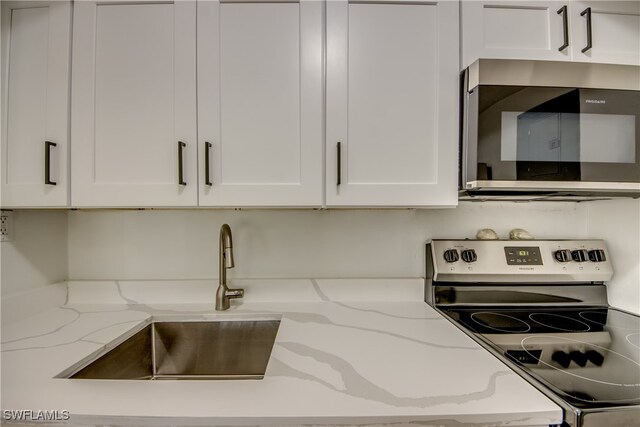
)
(6, 226)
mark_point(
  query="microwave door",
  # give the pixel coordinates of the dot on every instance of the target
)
(539, 145)
(548, 141)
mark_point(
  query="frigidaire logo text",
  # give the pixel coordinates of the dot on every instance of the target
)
(595, 101)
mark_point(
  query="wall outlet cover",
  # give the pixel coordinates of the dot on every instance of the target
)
(6, 226)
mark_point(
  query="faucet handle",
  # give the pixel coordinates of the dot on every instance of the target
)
(234, 293)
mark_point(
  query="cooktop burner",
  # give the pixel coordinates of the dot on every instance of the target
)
(634, 339)
(559, 322)
(500, 322)
(612, 319)
(609, 389)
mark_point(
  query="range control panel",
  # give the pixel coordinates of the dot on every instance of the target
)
(523, 255)
(519, 260)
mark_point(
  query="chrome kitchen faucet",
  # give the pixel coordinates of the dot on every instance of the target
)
(225, 260)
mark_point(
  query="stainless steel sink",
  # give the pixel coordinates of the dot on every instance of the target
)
(187, 350)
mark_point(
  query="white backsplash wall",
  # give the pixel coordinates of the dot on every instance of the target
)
(37, 256)
(183, 244)
(618, 221)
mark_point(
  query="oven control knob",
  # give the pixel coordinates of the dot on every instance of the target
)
(579, 357)
(579, 255)
(597, 255)
(561, 358)
(563, 255)
(594, 357)
(451, 255)
(469, 255)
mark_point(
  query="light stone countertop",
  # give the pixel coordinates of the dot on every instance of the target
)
(348, 352)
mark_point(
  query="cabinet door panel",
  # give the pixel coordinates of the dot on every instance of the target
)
(260, 93)
(512, 30)
(391, 103)
(28, 73)
(390, 111)
(134, 95)
(615, 31)
(35, 96)
(134, 99)
(260, 103)
(528, 28)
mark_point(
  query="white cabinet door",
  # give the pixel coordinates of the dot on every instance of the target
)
(36, 38)
(392, 90)
(133, 127)
(260, 100)
(514, 30)
(613, 28)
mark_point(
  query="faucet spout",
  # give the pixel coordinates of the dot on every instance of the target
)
(226, 245)
(225, 261)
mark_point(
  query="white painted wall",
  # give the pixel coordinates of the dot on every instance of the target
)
(52, 246)
(37, 256)
(618, 221)
(183, 244)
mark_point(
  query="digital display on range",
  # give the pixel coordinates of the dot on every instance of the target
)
(519, 255)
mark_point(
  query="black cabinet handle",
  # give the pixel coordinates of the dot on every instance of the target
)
(587, 12)
(339, 159)
(207, 151)
(181, 146)
(565, 27)
(47, 162)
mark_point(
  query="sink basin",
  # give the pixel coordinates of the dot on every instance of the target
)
(187, 350)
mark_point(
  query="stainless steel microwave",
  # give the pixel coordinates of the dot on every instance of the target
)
(542, 129)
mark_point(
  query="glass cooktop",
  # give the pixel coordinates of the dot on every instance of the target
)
(588, 356)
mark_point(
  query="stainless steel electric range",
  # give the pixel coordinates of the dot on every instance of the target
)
(541, 307)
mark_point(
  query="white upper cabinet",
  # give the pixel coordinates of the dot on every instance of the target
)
(606, 31)
(260, 103)
(514, 30)
(36, 39)
(133, 120)
(392, 109)
(582, 31)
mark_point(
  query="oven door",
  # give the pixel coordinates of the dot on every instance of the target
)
(551, 138)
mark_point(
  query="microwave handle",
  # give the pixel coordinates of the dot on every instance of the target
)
(565, 27)
(587, 12)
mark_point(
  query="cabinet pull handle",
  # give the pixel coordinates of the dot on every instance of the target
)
(565, 27)
(587, 12)
(339, 159)
(207, 151)
(181, 146)
(47, 162)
